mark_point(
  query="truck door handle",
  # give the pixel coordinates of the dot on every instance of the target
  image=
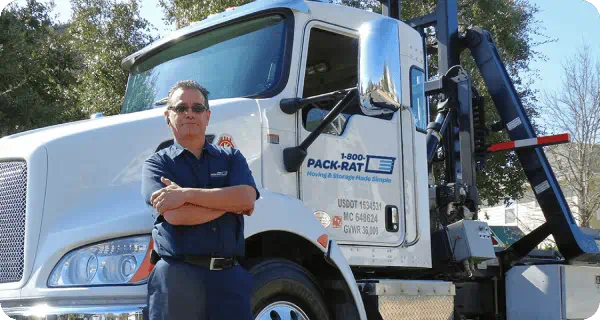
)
(392, 219)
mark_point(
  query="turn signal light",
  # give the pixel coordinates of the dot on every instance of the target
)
(146, 267)
(323, 240)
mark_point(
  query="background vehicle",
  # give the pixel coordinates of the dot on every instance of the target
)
(328, 104)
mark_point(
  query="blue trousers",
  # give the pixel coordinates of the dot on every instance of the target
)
(178, 290)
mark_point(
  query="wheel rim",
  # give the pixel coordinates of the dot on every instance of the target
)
(282, 310)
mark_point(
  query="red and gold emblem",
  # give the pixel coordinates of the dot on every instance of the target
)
(226, 141)
(337, 221)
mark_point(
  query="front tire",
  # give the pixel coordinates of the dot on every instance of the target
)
(285, 290)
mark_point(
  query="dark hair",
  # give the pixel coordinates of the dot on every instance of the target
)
(189, 84)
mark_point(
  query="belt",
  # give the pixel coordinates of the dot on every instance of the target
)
(211, 263)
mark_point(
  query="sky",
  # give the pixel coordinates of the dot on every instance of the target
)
(571, 22)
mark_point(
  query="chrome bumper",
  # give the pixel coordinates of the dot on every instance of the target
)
(105, 312)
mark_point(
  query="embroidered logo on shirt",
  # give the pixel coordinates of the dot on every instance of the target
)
(218, 174)
(226, 141)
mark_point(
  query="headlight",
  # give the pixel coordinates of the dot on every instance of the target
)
(114, 262)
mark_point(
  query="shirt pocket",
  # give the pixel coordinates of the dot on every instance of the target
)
(219, 176)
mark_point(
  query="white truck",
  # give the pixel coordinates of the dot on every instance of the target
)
(329, 105)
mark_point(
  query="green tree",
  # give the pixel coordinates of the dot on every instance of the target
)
(103, 32)
(36, 70)
(371, 5)
(515, 30)
(183, 12)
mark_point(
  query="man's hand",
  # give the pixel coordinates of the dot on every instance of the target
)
(168, 198)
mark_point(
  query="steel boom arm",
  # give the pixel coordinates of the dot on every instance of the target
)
(573, 244)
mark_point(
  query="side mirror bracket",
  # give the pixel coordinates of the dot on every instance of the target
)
(293, 157)
(293, 105)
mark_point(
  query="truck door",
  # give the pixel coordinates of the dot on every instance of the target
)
(352, 176)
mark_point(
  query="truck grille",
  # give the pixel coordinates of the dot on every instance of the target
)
(13, 190)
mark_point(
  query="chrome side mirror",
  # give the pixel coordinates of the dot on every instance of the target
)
(379, 85)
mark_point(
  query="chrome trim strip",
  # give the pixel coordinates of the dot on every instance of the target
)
(416, 200)
(386, 287)
(131, 311)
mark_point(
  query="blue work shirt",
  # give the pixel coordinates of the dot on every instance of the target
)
(217, 167)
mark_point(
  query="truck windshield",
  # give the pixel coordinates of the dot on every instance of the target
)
(244, 59)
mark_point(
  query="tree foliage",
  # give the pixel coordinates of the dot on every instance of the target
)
(183, 12)
(36, 70)
(53, 73)
(103, 32)
(575, 109)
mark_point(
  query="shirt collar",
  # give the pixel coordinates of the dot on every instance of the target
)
(177, 149)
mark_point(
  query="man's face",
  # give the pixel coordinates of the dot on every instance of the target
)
(187, 125)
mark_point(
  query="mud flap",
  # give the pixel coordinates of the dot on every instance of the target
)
(408, 299)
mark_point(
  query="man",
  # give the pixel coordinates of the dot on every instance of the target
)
(201, 193)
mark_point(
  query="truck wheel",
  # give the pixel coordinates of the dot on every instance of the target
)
(284, 290)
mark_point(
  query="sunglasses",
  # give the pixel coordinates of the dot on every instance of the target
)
(195, 108)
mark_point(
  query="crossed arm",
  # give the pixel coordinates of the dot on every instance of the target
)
(190, 206)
